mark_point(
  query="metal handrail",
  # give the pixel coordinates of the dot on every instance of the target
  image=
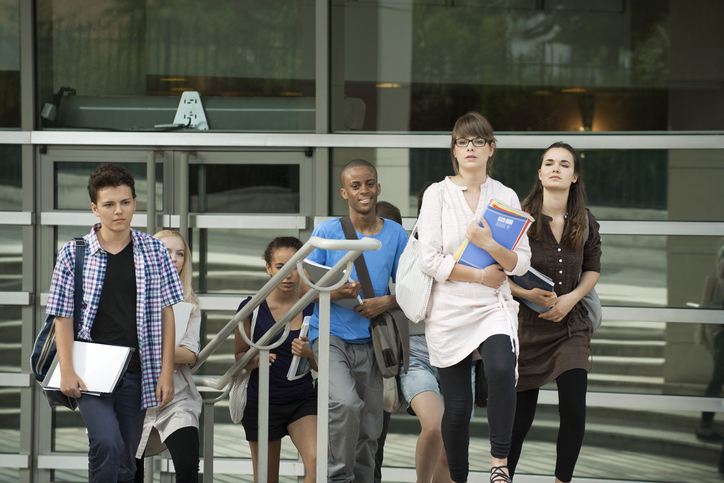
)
(354, 249)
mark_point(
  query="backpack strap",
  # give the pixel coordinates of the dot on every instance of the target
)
(78, 292)
(359, 264)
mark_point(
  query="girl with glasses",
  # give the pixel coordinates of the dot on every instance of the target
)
(471, 310)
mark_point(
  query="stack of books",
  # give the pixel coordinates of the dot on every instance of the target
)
(508, 226)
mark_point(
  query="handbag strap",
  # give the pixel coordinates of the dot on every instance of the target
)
(359, 264)
(78, 292)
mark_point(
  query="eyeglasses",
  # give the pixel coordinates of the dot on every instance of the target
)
(477, 142)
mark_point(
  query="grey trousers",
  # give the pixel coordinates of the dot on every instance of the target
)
(355, 410)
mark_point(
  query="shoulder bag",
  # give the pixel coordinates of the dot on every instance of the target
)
(390, 338)
(591, 300)
(413, 286)
(240, 383)
(44, 349)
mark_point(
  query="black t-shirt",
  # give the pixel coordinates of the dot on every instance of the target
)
(115, 321)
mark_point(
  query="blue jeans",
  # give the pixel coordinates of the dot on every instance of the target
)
(114, 427)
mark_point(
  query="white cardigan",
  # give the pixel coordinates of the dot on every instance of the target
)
(462, 315)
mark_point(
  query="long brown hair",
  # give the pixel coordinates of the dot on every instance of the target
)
(575, 229)
(473, 124)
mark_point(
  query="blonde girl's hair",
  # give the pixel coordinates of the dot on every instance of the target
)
(186, 272)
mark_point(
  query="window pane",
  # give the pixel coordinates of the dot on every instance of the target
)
(126, 64)
(631, 184)
(11, 258)
(11, 176)
(226, 188)
(9, 64)
(10, 422)
(10, 336)
(71, 185)
(230, 261)
(417, 65)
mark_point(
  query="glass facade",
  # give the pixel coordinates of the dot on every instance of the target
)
(622, 184)
(124, 65)
(561, 65)
(71, 180)
(9, 64)
(294, 90)
(272, 188)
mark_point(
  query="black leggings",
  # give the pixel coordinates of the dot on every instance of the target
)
(499, 360)
(572, 414)
(184, 447)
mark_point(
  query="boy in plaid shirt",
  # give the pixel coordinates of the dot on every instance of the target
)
(129, 286)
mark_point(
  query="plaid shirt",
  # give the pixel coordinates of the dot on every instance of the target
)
(157, 286)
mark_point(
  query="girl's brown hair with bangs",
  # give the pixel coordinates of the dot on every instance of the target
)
(473, 124)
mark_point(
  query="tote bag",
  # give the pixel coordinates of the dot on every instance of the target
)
(240, 384)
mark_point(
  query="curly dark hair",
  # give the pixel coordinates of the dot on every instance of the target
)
(109, 176)
(280, 242)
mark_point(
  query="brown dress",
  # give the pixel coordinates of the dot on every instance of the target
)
(548, 349)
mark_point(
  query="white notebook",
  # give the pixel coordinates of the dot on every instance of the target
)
(317, 271)
(100, 366)
(300, 365)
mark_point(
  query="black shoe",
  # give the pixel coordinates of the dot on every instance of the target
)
(497, 475)
(709, 437)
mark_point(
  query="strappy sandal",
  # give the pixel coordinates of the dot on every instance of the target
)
(497, 475)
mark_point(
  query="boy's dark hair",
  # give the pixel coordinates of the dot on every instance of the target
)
(385, 209)
(280, 242)
(356, 163)
(109, 176)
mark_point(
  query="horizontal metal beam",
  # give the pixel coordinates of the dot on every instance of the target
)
(15, 380)
(662, 314)
(14, 298)
(642, 401)
(196, 220)
(19, 461)
(628, 227)
(662, 140)
(15, 137)
(16, 218)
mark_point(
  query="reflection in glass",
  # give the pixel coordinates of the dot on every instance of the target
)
(527, 65)
(245, 188)
(11, 259)
(9, 64)
(71, 184)
(11, 176)
(10, 422)
(127, 63)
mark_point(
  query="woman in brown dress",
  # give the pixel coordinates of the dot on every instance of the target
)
(555, 344)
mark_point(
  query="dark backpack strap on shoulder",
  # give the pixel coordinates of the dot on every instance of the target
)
(359, 264)
(78, 292)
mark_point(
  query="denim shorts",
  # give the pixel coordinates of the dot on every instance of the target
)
(423, 376)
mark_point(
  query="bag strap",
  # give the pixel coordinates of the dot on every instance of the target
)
(359, 264)
(78, 292)
(253, 322)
